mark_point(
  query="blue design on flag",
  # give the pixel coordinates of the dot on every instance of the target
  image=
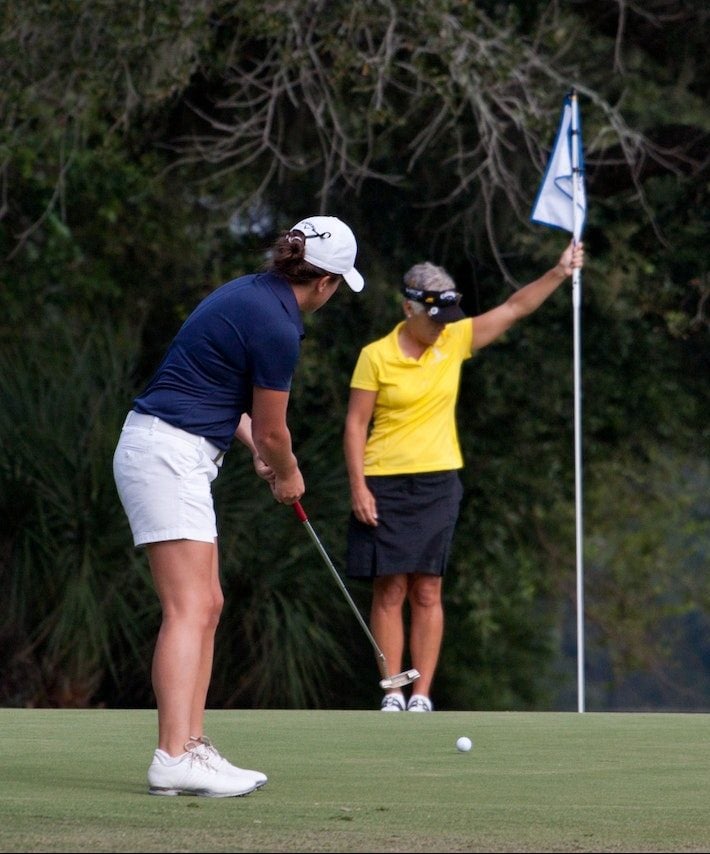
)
(554, 203)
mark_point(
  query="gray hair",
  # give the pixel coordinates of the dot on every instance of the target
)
(427, 277)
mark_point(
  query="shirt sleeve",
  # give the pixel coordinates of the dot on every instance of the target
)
(365, 375)
(462, 330)
(274, 356)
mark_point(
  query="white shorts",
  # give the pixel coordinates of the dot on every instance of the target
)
(164, 476)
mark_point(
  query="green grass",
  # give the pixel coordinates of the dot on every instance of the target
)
(364, 781)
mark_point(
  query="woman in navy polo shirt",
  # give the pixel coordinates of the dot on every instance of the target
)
(227, 373)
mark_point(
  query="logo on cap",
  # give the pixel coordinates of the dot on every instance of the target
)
(331, 245)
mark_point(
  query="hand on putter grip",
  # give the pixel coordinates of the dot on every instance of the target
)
(286, 490)
(263, 469)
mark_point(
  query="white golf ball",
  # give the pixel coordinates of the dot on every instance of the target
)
(464, 744)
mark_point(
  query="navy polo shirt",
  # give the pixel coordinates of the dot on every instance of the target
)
(245, 333)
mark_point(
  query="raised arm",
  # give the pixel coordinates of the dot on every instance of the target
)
(490, 325)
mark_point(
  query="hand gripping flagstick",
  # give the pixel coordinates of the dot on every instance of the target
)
(398, 680)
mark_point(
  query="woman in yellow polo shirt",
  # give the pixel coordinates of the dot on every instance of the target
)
(402, 455)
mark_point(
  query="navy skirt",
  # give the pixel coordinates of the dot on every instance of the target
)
(417, 516)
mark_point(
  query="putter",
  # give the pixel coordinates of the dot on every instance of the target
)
(398, 680)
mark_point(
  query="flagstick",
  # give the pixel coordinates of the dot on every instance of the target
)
(576, 304)
(552, 207)
(576, 288)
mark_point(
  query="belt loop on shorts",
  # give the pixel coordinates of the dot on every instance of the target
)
(132, 415)
(154, 424)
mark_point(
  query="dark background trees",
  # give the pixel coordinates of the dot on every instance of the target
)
(150, 151)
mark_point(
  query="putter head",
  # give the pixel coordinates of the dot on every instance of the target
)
(399, 680)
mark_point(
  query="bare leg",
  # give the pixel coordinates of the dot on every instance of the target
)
(426, 628)
(386, 621)
(197, 718)
(184, 574)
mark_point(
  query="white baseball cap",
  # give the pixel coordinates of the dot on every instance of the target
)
(331, 245)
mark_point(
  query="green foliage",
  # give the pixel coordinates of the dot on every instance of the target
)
(150, 151)
(281, 642)
(76, 612)
(646, 555)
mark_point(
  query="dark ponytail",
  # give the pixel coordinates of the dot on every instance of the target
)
(287, 259)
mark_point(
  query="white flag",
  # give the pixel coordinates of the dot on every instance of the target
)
(559, 202)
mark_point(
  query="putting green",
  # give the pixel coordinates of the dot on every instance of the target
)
(74, 780)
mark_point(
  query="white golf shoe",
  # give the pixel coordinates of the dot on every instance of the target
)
(392, 703)
(419, 703)
(194, 773)
(222, 764)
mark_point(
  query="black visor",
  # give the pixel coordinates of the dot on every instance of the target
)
(437, 298)
(441, 306)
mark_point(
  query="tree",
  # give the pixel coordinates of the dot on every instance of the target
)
(165, 145)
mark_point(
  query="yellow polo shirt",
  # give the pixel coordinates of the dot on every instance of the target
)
(413, 427)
